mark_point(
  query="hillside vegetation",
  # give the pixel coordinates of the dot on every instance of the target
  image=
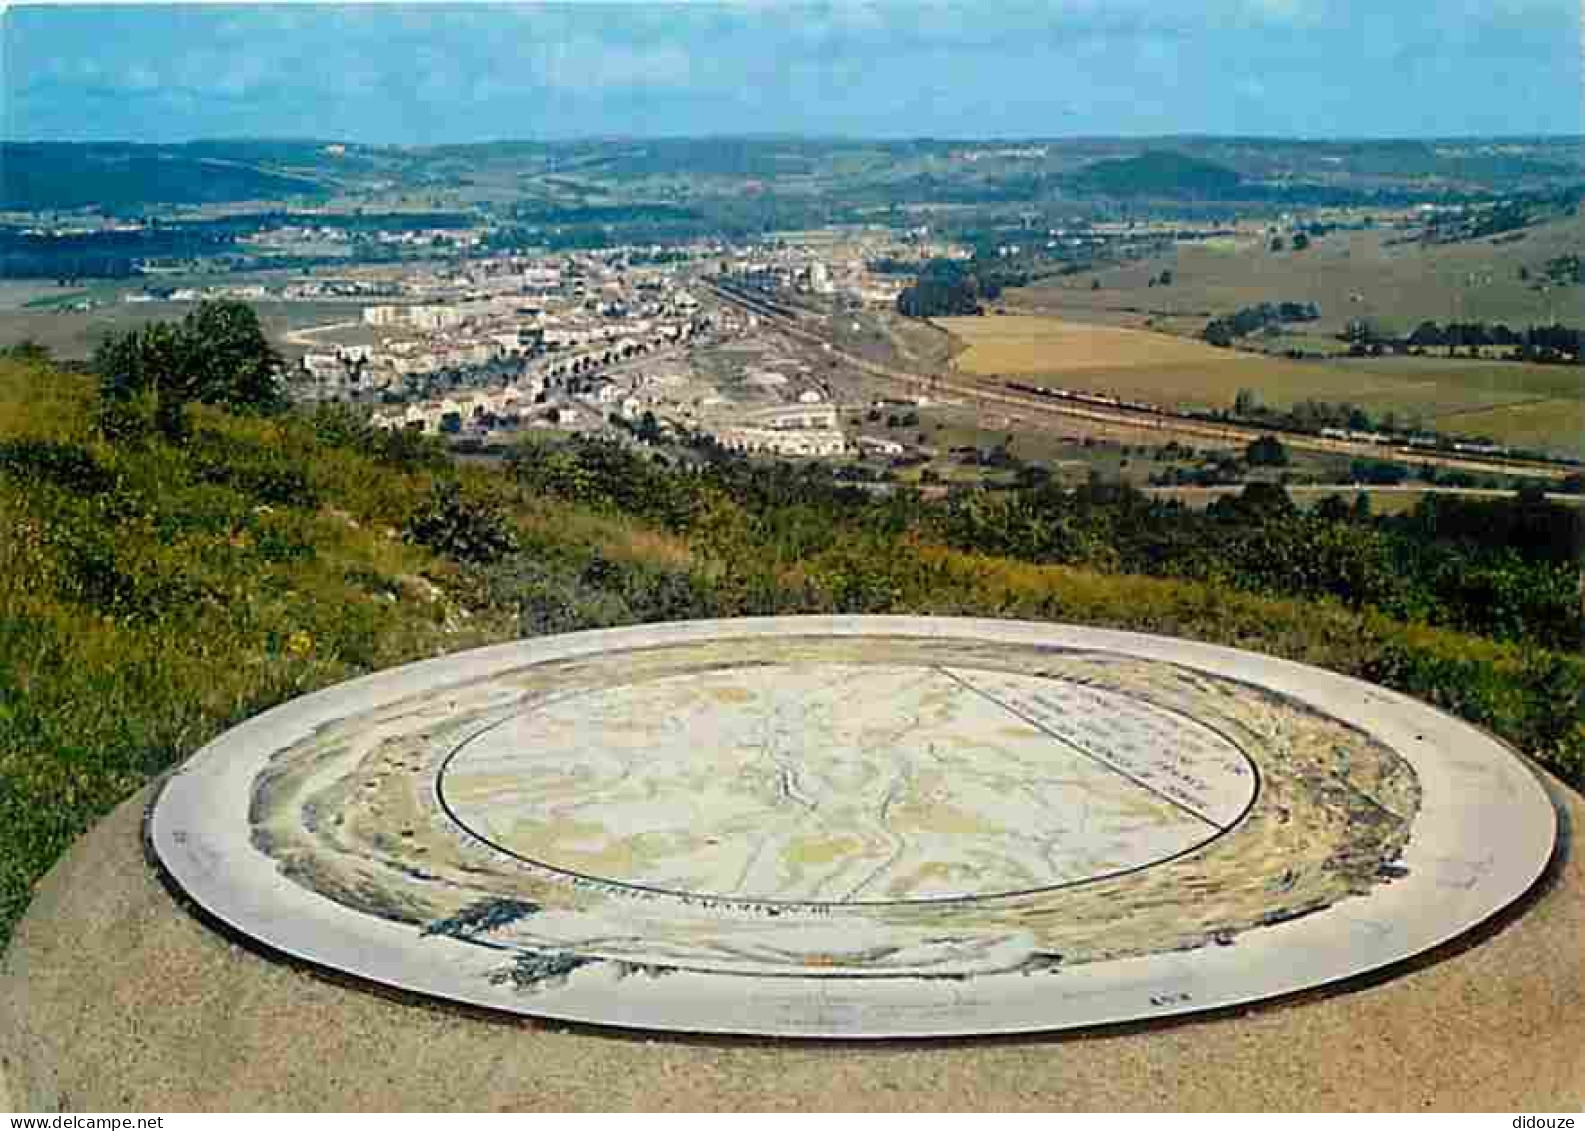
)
(49, 175)
(1159, 173)
(160, 586)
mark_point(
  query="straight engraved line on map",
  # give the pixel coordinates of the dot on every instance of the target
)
(1054, 736)
(758, 903)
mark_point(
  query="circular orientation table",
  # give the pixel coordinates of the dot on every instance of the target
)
(854, 827)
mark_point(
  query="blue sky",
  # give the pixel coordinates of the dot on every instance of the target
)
(409, 74)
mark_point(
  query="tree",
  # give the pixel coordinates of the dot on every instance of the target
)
(1427, 334)
(468, 528)
(1377, 472)
(216, 355)
(140, 383)
(228, 360)
(27, 350)
(1267, 451)
(1257, 502)
(1301, 242)
(1218, 333)
(1333, 508)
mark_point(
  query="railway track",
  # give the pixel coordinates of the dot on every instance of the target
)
(1159, 422)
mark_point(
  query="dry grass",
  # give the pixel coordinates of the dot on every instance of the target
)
(1016, 346)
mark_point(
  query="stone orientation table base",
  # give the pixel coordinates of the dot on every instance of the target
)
(853, 827)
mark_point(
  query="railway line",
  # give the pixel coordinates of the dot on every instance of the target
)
(1160, 422)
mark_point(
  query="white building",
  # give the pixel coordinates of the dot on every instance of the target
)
(878, 444)
(385, 315)
(785, 442)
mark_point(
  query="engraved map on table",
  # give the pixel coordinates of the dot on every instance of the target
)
(820, 807)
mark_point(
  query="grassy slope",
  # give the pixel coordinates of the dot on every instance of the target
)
(139, 620)
(151, 598)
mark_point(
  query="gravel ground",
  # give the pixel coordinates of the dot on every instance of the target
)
(113, 998)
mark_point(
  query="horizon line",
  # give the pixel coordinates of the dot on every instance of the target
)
(878, 138)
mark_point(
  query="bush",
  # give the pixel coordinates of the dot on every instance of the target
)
(28, 461)
(1267, 451)
(341, 426)
(467, 529)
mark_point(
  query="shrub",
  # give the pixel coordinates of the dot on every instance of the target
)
(467, 529)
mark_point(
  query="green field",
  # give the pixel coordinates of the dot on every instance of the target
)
(1349, 275)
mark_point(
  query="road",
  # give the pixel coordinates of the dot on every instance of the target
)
(305, 336)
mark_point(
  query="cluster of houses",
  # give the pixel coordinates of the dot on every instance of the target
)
(579, 341)
(477, 408)
(807, 428)
(555, 322)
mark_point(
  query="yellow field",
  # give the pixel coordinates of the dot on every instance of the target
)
(1529, 405)
(1015, 345)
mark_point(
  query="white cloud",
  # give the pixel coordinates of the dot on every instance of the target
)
(587, 63)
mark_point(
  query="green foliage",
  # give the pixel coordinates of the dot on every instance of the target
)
(216, 355)
(73, 467)
(1566, 270)
(53, 175)
(27, 350)
(226, 359)
(152, 595)
(342, 426)
(1262, 316)
(467, 528)
(1515, 578)
(547, 595)
(1159, 173)
(1267, 451)
(608, 475)
(1378, 472)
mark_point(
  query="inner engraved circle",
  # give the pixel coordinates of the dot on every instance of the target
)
(847, 784)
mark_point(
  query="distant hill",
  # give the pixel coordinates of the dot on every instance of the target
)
(1158, 173)
(49, 175)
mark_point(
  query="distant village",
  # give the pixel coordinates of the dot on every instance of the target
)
(584, 341)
